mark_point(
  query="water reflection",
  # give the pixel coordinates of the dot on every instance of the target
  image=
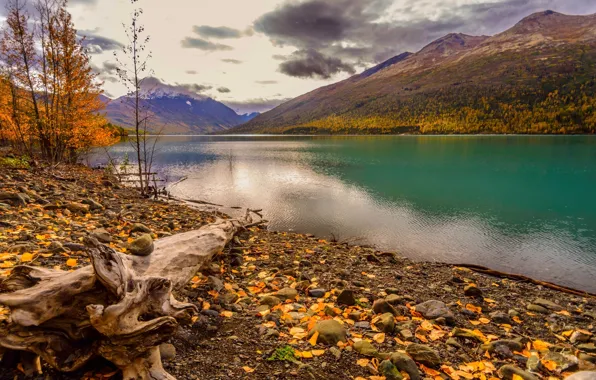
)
(515, 204)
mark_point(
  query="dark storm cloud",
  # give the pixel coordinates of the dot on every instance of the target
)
(206, 31)
(96, 44)
(255, 105)
(201, 44)
(354, 31)
(312, 64)
(266, 81)
(223, 90)
(230, 60)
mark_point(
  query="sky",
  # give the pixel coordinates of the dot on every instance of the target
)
(254, 54)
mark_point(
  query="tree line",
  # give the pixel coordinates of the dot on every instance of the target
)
(49, 95)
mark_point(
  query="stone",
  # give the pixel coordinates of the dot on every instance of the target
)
(405, 363)
(167, 351)
(330, 332)
(363, 325)
(453, 343)
(93, 205)
(472, 291)
(385, 323)
(317, 293)
(388, 369)
(507, 371)
(215, 283)
(22, 248)
(580, 336)
(102, 235)
(392, 291)
(583, 375)
(587, 347)
(565, 362)
(424, 354)
(335, 352)
(512, 345)
(364, 347)
(346, 297)
(533, 364)
(548, 304)
(286, 294)
(270, 301)
(141, 246)
(139, 227)
(74, 247)
(12, 198)
(406, 334)
(500, 317)
(77, 208)
(229, 298)
(381, 307)
(393, 299)
(434, 309)
(537, 309)
(57, 247)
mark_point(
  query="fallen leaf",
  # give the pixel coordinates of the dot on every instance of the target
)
(429, 371)
(541, 345)
(247, 369)
(549, 364)
(227, 314)
(313, 339)
(475, 309)
(379, 338)
(318, 352)
(26, 257)
(71, 262)
(362, 362)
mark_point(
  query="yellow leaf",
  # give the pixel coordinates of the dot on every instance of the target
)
(379, 338)
(227, 314)
(475, 323)
(362, 362)
(247, 369)
(516, 377)
(541, 345)
(71, 262)
(437, 334)
(516, 319)
(429, 371)
(298, 332)
(484, 320)
(313, 339)
(7, 264)
(318, 352)
(567, 333)
(475, 309)
(549, 364)
(564, 312)
(306, 354)
(26, 257)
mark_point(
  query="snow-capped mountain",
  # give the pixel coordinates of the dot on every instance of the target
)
(174, 109)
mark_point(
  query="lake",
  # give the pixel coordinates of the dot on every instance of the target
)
(522, 204)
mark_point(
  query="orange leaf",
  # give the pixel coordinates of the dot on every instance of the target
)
(541, 345)
(475, 309)
(247, 369)
(313, 338)
(227, 314)
(318, 352)
(379, 338)
(362, 362)
(429, 371)
(71, 262)
(26, 257)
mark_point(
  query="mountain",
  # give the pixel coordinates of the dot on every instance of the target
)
(537, 77)
(174, 110)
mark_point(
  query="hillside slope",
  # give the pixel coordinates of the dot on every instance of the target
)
(537, 77)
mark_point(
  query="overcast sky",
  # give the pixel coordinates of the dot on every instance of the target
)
(251, 54)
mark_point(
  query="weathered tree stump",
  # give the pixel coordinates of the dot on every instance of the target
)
(121, 307)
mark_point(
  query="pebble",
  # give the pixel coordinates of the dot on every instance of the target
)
(388, 369)
(405, 363)
(381, 306)
(270, 301)
(141, 246)
(286, 294)
(507, 371)
(317, 293)
(472, 291)
(364, 347)
(433, 309)
(346, 297)
(385, 323)
(102, 235)
(139, 227)
(537, 309)
(167, 351)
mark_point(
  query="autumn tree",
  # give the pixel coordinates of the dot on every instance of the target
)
(52, 96)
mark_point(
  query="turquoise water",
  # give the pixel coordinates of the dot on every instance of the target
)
(521, 204)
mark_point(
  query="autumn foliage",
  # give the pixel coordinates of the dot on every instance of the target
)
(49, 96)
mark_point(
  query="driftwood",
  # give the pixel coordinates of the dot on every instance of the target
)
(121, 307)
(519, 277)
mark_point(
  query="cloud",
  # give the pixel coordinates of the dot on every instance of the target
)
(230, 60)
(279, 57)
(223, 90)
(361, 32)
(201, 44)
(255, 105)
(217, 31)
(312, 64)
(266, 81)
(193, 87)
(96, 44)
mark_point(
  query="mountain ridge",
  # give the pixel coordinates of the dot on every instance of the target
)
(545, 58)
(173, 109)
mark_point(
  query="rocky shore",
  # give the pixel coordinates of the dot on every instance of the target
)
(278, 305)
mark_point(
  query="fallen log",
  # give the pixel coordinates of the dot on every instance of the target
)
(121, 307)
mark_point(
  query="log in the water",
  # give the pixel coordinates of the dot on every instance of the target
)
(121, 307)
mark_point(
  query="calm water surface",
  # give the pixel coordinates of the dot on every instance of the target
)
(514, 203)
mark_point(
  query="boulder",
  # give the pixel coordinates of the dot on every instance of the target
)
(364, 347)
(433, 309)
(472, 291)
(424, 354)
(270, 301)
(141, 246)
(140, 227)
(102, 235)
(77, 208)
(507, 371)
(385, 323)
(382, 307)
(286, 294)
(388, 369)
(583, 375)
(167, 351)
(405, 363)
(548, 304)
(330, 332)
(346, 297)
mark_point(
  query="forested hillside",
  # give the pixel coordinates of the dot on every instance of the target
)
(537, 77)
